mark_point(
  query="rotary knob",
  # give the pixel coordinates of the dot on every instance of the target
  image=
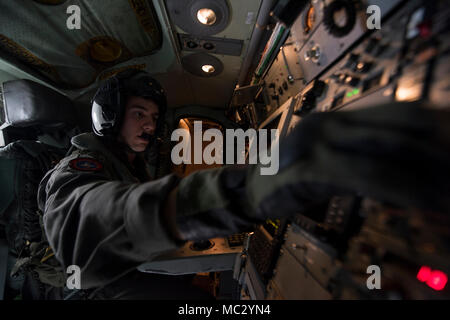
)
(313, 54)
(202, 245)
(331, 11)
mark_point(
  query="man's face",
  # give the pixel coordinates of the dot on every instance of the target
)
(140, 117)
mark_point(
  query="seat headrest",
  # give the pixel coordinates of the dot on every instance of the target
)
(27, 103)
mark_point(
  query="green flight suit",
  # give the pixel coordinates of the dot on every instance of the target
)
(102, 218)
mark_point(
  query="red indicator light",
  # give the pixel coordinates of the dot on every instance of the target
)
(424, 29)
(437, 280)
(424, 274)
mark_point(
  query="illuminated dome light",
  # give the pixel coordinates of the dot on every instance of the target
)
(207, 68)
(206, 16)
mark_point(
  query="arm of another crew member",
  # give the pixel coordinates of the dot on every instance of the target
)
(397, 153)
(105, 227)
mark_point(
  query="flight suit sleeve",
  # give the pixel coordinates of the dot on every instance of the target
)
(105, 227)
(397, 153)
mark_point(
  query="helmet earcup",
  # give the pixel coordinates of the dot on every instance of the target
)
(107, 107)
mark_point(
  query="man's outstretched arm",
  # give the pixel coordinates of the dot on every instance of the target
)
(105, 227)
(396, 153)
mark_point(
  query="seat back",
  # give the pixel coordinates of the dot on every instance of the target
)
(30, 111)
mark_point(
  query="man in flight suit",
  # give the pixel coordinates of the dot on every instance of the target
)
(103, 212)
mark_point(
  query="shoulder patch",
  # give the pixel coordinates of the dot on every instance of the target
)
(85, 164)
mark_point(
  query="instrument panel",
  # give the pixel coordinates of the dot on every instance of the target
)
(332, 61)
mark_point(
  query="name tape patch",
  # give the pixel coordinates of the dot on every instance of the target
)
(85, 164)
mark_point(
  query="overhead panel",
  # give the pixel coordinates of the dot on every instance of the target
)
(212, 35)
